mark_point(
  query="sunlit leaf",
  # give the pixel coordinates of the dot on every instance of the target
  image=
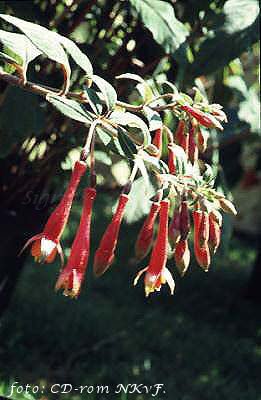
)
(46, 42)
(159, 17)
(94, 100)
(107, 90)
(70, 108)
(21, 46)
(153, 117)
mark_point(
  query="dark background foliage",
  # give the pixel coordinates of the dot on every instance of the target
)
(205, 341)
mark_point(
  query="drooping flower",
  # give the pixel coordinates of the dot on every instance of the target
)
(203, 231)
(201, 249)
(205, 119)
(202, 139)
(181, 136)
(214, 233)
(156, 273)
(184, 220)
(46, 244)
(157, 141)
(104, 255)
(174, 227)
(182, 256)
(71, 277)
(145, 237)
(171, 159)
(193, 148)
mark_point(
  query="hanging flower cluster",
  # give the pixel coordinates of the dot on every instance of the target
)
(185, 200)
(180, 199)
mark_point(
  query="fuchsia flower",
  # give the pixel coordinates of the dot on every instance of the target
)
(156, 273)
(47, 243)
(193, 148)
(182, 256)
(104, 255)
(145, 237)
(72, 275)
(205, 119)
(182, 137)
(214, 232)
(174, 228)
(201, 236)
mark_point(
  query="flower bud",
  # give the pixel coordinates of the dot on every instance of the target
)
(184, 220)
(201, 251)
(203, 232)
(193, 149)
(174, 228)
(145, 237)
(104, 255)
(227, 206)
(182, 256)
(214, 233)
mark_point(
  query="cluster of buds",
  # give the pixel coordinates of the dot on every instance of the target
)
(180, 194)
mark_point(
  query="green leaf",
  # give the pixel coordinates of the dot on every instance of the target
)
(7, 58)
(109, 93)
(249, 110)
(15, 125)
(240, 14)
(136, 127)
(153, 117)
(70, 108)
(239, 31)
(154, 164)
(159, 17)
(94, 100)
(133, 77)
(127, 145)
(143, 88)
(79, 57)
(139, 200)
(46, 41)
(249, 102)
(103, 135)
(21, 46)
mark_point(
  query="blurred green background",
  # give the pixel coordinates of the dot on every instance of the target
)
(203, 343)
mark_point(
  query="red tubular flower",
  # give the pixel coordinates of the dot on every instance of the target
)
(202, 253)
(180, 132)
(193, 149)
(157, 141)
(174, 228)
(214, 233)
(202, 140)
(47, 243)
(171, 159)
(156, 273)
(182, 256)
(71, 277)
(184, 220)
(181, 136)
(104, 255)
(203, 118)
(203, 232)
(145, 237)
